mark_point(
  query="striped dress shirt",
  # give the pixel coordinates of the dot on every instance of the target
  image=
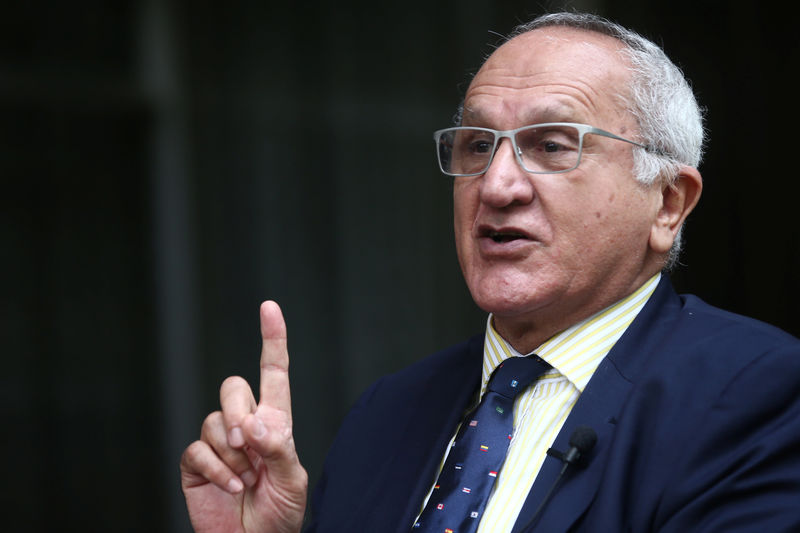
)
(540, 411)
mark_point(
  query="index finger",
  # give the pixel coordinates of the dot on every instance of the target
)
(274, 388)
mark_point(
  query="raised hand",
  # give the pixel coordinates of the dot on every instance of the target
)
(243, 475)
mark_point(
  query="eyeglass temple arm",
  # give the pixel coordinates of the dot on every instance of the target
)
(648, 147)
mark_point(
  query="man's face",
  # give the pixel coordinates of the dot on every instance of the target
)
(542, 251)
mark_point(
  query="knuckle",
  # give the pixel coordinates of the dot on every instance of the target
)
(233, 382)
(193, 449)
(211, 427)
(279, 443)
(302, 478)
(236, 397)
(212, 420)
(190, 455)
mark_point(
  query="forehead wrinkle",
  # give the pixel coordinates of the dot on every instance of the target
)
(561, 102)
(576, 89)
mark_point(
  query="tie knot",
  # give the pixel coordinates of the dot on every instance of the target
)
(515, 374)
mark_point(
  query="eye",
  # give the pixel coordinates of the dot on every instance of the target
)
(480, 147)
(548, 140)
(551, 146)
(556, 140)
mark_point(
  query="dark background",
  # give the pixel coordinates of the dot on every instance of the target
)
(167, 166)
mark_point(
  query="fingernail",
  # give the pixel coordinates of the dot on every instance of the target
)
(259, 430)
(235, 486)
(249, 478)
(236, 437)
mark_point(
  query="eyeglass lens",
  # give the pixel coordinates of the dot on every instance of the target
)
(553, 148)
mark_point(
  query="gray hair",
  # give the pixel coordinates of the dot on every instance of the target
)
(659, 98)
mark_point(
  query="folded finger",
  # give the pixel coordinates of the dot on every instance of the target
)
(200, 465)
(237, 401)
(269, 434)
(214, 434)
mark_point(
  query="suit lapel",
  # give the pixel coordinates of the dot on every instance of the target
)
(439, 427)
(577, 487)
(404, 475)
(599, 407)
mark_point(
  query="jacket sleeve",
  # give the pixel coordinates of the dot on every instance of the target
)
(741, 470)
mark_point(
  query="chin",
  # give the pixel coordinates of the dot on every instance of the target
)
(513, 291)
(505, 301)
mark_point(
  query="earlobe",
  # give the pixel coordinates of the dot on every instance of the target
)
(677, 201)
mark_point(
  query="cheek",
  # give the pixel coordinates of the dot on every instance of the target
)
(585, 220)
(465, 204)
(462, 225)
(618, 219)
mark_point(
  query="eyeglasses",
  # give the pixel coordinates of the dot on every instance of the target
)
(549, 148)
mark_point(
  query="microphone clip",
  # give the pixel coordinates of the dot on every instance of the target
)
(581, 443)
(572, 457)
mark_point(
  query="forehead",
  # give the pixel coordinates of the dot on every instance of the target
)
(551, 74)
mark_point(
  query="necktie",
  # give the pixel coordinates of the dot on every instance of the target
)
(478, 451)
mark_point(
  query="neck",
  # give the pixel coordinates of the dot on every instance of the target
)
(526, 333)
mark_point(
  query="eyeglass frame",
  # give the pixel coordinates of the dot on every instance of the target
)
(583, 129)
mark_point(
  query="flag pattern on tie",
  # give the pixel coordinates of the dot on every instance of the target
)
(460, 494)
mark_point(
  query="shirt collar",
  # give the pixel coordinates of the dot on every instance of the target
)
(576, 352)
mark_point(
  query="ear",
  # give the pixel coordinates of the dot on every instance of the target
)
(677, 201)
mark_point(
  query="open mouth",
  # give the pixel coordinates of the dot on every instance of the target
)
(503, 236)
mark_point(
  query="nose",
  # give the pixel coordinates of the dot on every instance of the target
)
(505, 182)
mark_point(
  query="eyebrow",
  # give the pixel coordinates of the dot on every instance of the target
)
(469, 113)
(550, 113)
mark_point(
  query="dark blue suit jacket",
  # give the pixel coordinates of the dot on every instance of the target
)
(697, 413)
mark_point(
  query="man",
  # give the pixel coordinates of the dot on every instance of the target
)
(574, 170)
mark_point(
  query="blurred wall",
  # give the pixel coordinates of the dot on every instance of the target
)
(169, 165)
